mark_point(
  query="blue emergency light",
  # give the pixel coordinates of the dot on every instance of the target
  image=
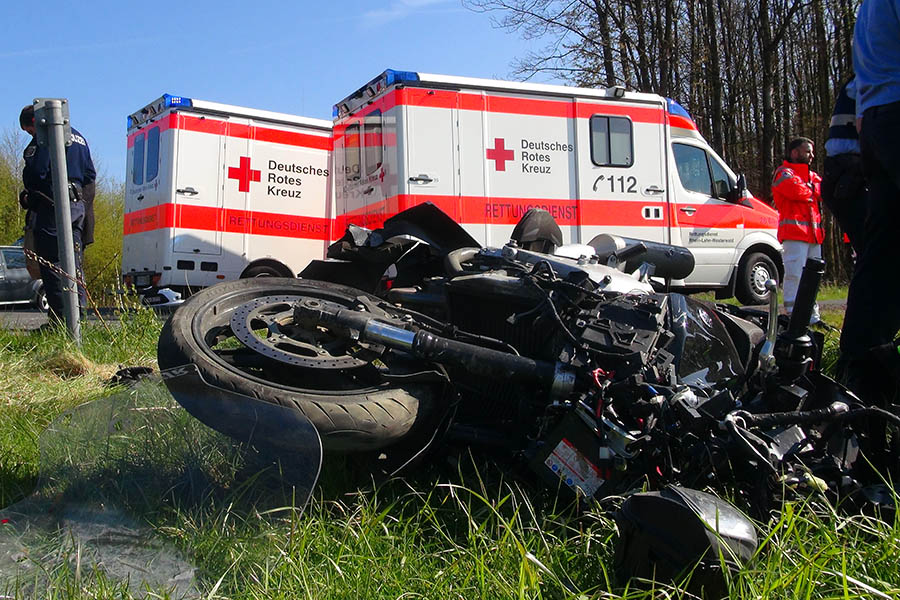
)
(676, 109)
(391, 76)
(176, 101)
(168, 101)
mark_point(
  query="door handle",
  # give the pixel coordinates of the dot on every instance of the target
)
(689, 210)
(368, 191)
(140, 197)
(653, 190)
(188, 190)
(421, 178)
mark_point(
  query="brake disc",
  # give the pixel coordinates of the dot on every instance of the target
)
(284, 341)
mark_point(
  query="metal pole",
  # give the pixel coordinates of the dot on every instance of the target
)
(51, 118)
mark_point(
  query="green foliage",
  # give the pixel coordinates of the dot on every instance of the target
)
(103, 258)
(12, 217)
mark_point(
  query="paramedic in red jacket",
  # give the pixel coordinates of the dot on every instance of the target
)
(796, 190)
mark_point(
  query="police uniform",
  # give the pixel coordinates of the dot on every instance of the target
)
(872, 320)
(37, 179)
(843, 182)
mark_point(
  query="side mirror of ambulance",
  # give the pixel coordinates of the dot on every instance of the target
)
(736, 193)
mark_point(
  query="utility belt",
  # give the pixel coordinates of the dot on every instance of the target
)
(34, 198)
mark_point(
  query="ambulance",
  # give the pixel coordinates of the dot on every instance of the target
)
(599, 160)
(216, 192)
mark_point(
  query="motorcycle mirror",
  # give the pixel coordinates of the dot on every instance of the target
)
(681, 532)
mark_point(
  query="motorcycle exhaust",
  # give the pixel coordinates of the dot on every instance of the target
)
(483, 362)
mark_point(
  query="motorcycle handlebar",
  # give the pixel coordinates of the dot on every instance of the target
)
(835, 409)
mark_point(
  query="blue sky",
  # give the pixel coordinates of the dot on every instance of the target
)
(111, 58)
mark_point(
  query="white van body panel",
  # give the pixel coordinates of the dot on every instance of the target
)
(225, 188)
(600, 161)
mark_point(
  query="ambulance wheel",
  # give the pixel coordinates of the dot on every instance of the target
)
(753, 272)
(263, 271)
(353, 408)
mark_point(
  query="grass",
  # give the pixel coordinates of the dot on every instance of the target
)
(827, 292)
(459, 528)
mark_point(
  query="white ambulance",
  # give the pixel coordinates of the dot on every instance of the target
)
(217, 192)
(601, 161)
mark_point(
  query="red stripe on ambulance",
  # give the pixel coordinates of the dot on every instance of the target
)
(237, 130)
(206, 218)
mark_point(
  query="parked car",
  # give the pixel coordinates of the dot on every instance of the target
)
(16, 285)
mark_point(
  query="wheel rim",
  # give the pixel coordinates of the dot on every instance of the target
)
(223, 323)
(759, 275)
(43, 303)
(285, 342)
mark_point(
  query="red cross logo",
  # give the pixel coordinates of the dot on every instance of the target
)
(499, 154)
(244, 174)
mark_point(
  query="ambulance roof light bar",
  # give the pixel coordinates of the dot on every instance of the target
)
(372, 88)
(154, 108)
(676, 109)
(171, 100)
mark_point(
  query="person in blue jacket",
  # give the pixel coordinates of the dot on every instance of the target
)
(37, 198)
(869, 354)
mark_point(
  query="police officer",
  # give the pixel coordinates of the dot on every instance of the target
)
(843, 182)
(38, 199)
(869, 350)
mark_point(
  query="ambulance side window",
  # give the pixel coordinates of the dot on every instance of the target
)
(693, 169)
(351, 152)
(722, 183)
(372, 142)
(152, 154)
(137, 163)
(612, 141)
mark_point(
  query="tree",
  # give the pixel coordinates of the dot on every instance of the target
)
(753, 73)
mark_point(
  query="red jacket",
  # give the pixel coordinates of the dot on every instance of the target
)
(796, 190)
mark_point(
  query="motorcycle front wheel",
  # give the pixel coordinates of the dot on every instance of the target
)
(241, 337)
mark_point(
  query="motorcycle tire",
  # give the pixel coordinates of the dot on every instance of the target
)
(349, 416)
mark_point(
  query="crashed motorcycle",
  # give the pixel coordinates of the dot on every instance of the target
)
(572, 361)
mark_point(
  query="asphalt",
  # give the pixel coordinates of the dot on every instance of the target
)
(29, 319)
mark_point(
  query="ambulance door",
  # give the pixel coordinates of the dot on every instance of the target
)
(372, 183)
(198, 191)
(148, 187)
(529, 157)
(350, 203)
(707, 223)
(622, 174)
(431, 158)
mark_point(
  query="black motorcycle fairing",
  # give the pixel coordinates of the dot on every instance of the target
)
(682, 532)
(428, 223)
(705, 356)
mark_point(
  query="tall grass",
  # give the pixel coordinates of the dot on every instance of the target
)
(460, 527)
